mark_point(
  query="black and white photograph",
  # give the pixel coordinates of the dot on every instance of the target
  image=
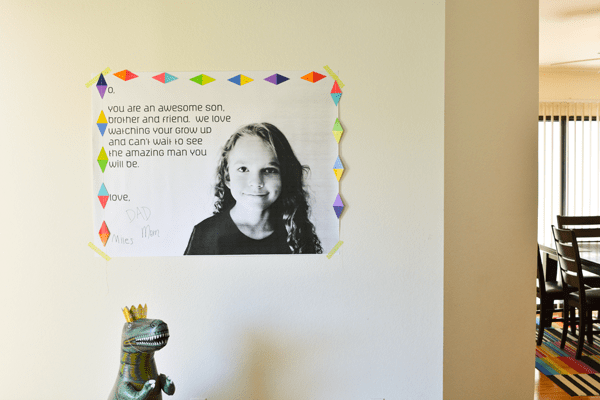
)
(262, 206)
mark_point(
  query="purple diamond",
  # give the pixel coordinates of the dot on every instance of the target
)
(338, 206)
(276, 79)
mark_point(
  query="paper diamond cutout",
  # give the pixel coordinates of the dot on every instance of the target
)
(276, 79)
(103, 200)
(101, 85)
(102, 155)
(169, 78)
(104, 233)
(101, 80)
(336, 93)
(125, 75)
(337, 126)
(336, 88)
(102, 123)
(338, 206)
(338, 164)
(244, 80)
(336, 97)
(102, 164)
(102, 118)
(338, 169)
(103, 191)
(130, 75)
(102, 128)
(337, 130)
(121, 74)
(101, 90)
(202, 79)
(165, 77)
(240, 80)
(102, 159)
(313, 77)
(103, 195)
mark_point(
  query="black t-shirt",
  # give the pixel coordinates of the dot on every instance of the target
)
(219, 235)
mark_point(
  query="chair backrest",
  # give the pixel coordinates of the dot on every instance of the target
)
(588, 226)
(540, 275)
(568, 259)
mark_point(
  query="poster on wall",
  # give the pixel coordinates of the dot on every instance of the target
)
(201, 163)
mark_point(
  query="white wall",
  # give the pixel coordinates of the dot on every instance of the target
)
(366, 324)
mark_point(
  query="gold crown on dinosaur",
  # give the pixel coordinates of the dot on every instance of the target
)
(133, 314)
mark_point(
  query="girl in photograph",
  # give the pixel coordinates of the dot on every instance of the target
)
(262, 206)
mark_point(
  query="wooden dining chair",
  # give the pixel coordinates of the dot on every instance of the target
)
(549, 292)
(587, 228)
(583, 226)
(583, 299)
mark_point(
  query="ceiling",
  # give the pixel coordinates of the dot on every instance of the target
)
(570, 31)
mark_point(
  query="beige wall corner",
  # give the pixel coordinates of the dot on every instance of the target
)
(490, 197)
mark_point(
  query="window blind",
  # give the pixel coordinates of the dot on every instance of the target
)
(568, 163)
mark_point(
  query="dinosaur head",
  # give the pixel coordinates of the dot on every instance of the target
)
(144, 336)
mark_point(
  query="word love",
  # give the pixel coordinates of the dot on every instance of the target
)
(118, 197)
(213, 118)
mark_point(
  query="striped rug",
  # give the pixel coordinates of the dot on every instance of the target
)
(576, 377)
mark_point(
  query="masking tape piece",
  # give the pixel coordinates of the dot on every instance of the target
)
(335, 248)
(105, 72)
(334, 76)
(97, 250)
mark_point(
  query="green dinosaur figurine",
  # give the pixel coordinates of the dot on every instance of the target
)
(138, 378)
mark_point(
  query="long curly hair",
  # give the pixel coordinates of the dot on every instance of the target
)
(291, 206)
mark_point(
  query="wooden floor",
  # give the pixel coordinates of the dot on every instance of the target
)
(545, 389)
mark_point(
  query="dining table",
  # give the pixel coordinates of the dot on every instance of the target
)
(589, 253)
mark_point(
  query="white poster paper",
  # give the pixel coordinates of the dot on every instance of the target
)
(158, 141)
